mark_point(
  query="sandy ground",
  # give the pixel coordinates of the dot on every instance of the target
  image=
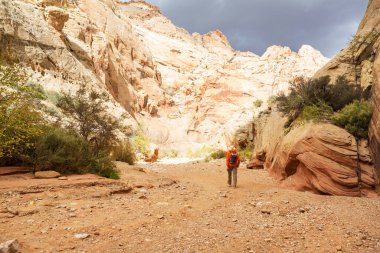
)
(181, 208)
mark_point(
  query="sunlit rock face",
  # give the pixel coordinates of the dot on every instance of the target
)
(211, 86)
(185, 90)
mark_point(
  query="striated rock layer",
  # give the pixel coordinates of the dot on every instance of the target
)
(360, 63)
(321, 158)
(324, 159)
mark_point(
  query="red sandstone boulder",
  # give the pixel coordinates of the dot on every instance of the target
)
(258, 160)
(323, 158)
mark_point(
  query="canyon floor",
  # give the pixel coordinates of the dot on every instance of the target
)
(181, 208)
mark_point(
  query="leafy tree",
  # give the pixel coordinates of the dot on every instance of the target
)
(87, 108)
(21, 122)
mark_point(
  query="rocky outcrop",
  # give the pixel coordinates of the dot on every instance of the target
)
(323, 159)
(210, 86)
(68, 43)
(185, 90)
(359, 62)
(56, 17)
(320, 158)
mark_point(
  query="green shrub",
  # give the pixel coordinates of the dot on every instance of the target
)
(355, 118)
(315, 93)
(271, 100)
(124, 152)
(246, 153)
(258, 103)
(343, 93)
(67, 153)
(218, 154)
(87, 108)
(140, 144)
(21, 122)
(319, 113)
(27, 139)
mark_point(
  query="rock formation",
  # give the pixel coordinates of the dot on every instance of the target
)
(360, 63)
(324, 159)
(66, 44)
(185, 90)
(320, 158)
(209, 86)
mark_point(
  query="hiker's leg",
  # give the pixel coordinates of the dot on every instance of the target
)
(234, 170)
(229, 175)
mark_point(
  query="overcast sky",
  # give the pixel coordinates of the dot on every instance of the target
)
(254, 25)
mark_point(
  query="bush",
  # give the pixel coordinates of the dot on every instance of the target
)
(140, 144)
(319, 113)
(271, 100)
(67, 153)
(27, 139)
(218, 154)
(258, 103)
(343, 93)
(246, 153)
(87, 108)
(355, 118)
(315, 94)
(21, 122)
(124, 152)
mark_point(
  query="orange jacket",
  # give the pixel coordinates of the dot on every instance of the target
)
(228, 159)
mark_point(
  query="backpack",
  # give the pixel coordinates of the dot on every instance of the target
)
(233, 158)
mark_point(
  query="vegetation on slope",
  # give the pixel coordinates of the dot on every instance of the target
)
(341, 103)
(85, 145)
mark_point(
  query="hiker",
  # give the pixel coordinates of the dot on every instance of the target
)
(232, 162)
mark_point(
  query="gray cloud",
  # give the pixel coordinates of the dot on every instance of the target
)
(255, 25)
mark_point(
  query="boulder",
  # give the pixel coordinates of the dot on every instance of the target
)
(258, 160)
(12, 246)
(153, 158)
(47, 174)
(255, 164)
(323, 158)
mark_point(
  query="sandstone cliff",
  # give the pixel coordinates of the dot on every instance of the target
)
(320, 158)
(185, 90)
(210, 85)
(67, 43)
(360, 63)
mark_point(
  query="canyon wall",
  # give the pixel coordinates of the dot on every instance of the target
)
(359, 62)
(184, 91)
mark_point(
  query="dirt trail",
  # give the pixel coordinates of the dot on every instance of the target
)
(181, 208)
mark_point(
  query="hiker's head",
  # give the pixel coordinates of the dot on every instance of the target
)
(232, 148)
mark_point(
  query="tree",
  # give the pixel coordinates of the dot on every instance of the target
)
(21, 122)
(88, 111)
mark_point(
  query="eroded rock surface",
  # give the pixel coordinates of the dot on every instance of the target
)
(324, 159)
(210, 86)
(359, 62)
(320, 158)
(185, 90)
